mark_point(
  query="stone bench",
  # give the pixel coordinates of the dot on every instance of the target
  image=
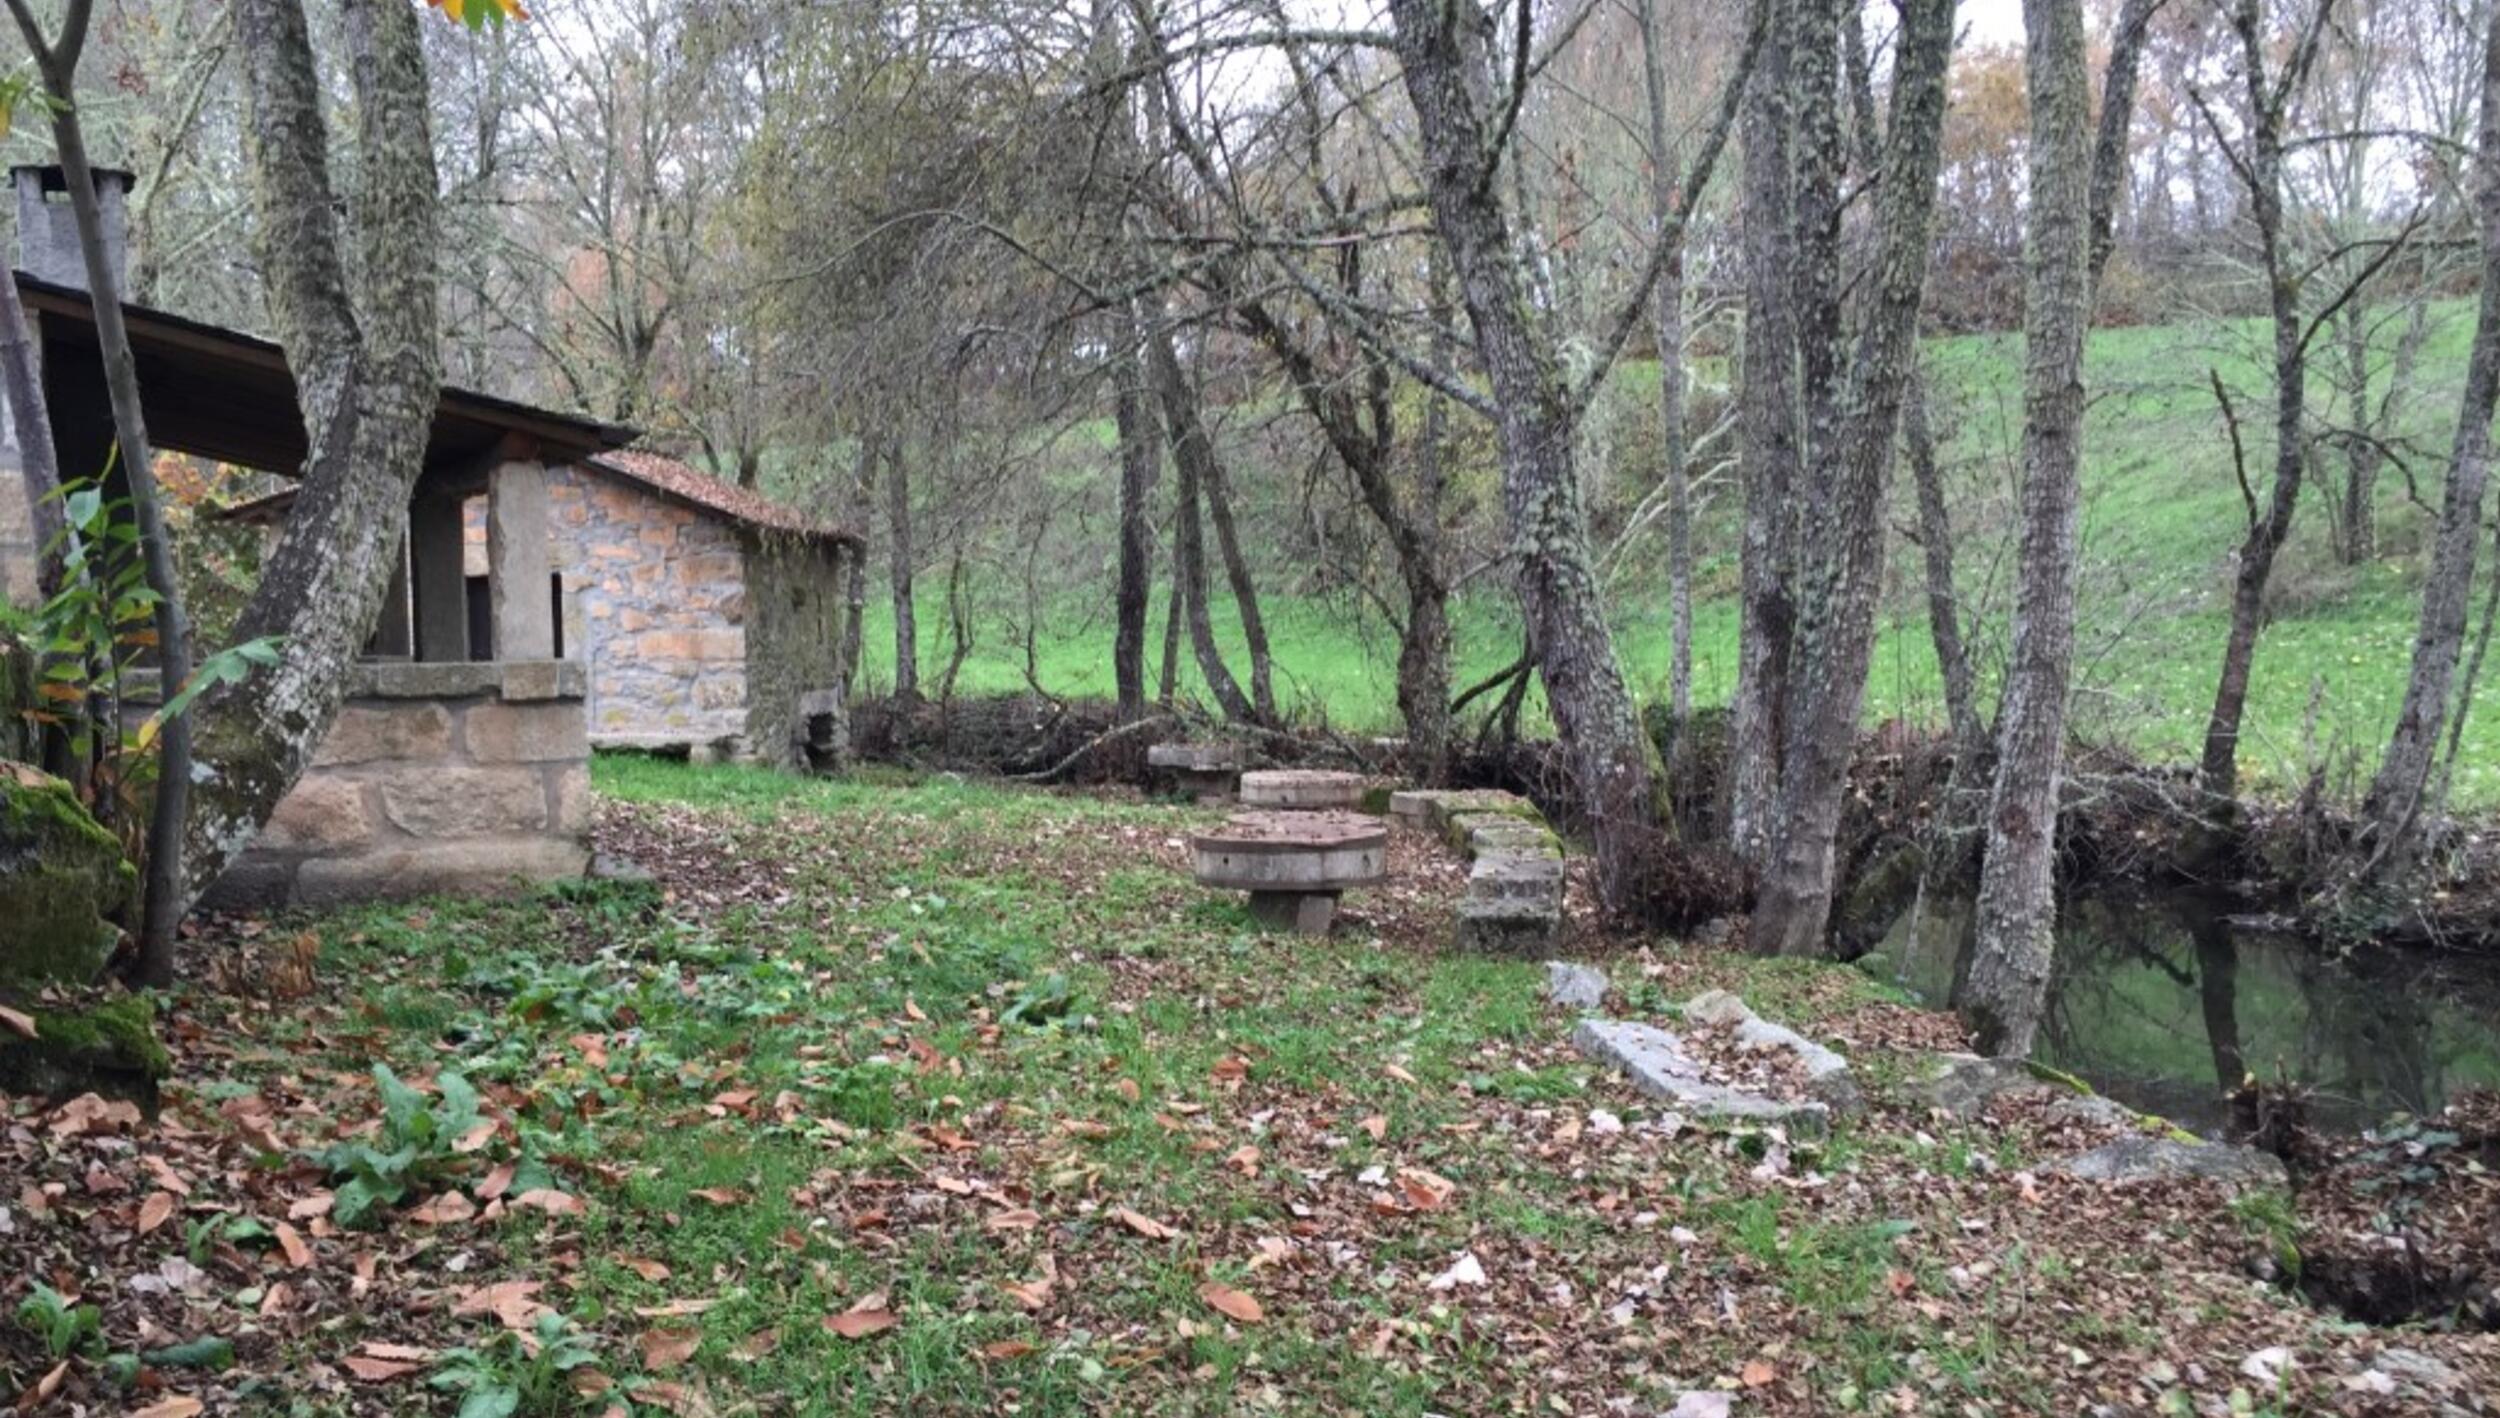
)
(1205, 771)
(1293, 864)
(1302, 789)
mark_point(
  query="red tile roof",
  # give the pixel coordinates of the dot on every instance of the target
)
(688, 483)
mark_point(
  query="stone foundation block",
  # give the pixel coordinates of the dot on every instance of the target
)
(477, 867)
(466, 802)
(526, 733)
(367, 733)
(1494, 926)
(322, 813)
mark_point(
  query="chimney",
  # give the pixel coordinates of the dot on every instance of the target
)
(47, 230)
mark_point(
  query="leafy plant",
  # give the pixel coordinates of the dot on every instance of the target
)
(417, 1145)
(66, 1328)
(519, 1374)
(92, 635)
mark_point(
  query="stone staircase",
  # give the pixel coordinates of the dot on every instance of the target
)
(1515, 877)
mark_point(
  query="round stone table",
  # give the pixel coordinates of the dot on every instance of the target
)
(1293, 864)
(1301, 789)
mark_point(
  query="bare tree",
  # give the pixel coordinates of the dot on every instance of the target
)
(2017, 914)
(2393, 807)
(2259, 165)
(1447, 57)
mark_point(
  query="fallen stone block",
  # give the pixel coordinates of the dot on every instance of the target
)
(1512, 836)
(1963, 1085)
(1503, 876)
(1827, 1073)
(1573, 985)
(1656, 1063)
(2147, 1159)
(1504, 926)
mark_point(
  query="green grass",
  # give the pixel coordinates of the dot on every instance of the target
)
(798, 1075)
(2162, 519)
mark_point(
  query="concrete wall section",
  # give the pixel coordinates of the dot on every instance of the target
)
(457, 778)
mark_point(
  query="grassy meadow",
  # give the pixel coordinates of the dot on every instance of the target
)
(2162, 520)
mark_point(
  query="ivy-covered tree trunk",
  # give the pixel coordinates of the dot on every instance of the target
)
(2008, 983)
(899, 553)
(2394, 806)
(367, 372)
(1767, 446)
(1839, 554)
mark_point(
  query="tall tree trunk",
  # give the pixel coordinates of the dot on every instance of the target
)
(899, 575)
(2362, 456)
(2262, 172)
(2392, 808)
(367, 367)
(1168, 680)
(862, 506)
(1192, 456)
(2116, 121)
(30, 422)
(1445, 60)
(2009, 977)
(1840, 554)
(1215, 490)
(1141, 455)
(1669, 324)
(1767, 447)
(1935, 541)
(163, 902)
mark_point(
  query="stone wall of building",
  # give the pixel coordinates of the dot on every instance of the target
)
(795, 606)
(656, 606)
(466, 778)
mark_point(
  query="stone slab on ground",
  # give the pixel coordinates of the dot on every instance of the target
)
(1827, 1073)
(1196, 757)
(1476, 833)
(1503, 876)
(1495, 926)
(1657, 1064)
(1302, 789)
(2145, 1159)
(1432, 808)
(1573, 985)
(1963, 1085)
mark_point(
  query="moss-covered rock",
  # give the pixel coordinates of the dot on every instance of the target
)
(107, 1046)
(61, 876)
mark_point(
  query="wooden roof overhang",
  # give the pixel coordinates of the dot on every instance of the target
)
(222, 394)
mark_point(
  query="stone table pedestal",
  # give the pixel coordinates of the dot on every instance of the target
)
(1293, 864)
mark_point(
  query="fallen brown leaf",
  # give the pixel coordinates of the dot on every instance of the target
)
(665, 1349)
(1232, 1302)
(1142, 1224)
(155, 1211)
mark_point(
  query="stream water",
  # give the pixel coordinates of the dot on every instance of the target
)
(2165, 1003)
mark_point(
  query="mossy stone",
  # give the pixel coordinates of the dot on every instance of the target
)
(108, 1046)
(61, 876)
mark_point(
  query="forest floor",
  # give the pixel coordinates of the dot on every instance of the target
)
(935, 1098)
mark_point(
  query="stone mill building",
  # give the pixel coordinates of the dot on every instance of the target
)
(554, 591)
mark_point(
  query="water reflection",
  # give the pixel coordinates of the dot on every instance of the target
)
(2165, 1004)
